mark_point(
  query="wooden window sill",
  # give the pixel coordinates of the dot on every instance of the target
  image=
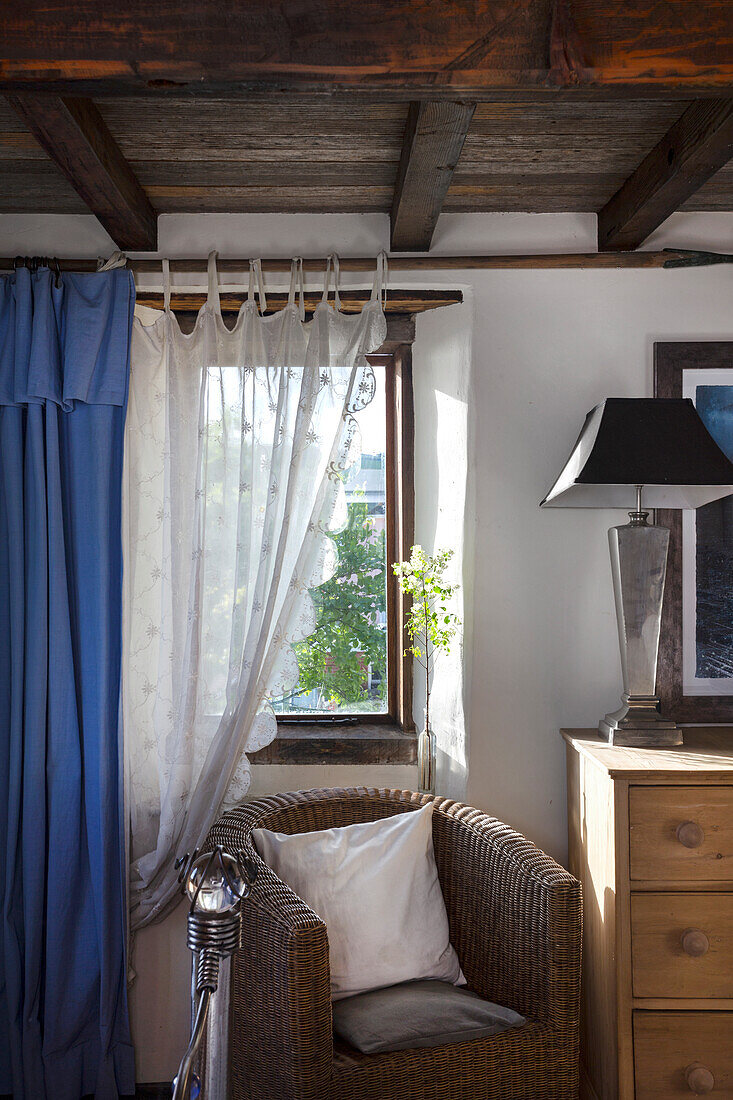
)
(366, 743)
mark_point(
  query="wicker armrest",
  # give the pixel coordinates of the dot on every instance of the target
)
(515, 915)
(281, 1028)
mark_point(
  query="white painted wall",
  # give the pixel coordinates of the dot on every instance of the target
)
(502, 385)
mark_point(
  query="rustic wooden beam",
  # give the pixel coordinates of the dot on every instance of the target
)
(411, 49)
(352, 301)
(698, 144)
(75, 136)
(568, 261)
(568, 64)
(434, 137)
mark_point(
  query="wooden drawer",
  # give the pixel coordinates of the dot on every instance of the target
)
(681, 834)
(682, 945)
(667, 1044)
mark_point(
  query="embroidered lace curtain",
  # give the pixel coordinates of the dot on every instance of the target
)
(237, 440)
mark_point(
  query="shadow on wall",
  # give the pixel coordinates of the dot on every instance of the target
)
(444, 517)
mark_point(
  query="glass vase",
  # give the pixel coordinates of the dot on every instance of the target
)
(426, 761)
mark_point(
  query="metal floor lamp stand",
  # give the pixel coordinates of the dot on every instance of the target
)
(216, 884)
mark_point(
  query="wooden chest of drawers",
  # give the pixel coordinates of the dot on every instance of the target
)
(651, 840)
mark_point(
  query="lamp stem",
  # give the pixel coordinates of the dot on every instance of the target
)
(638, 518)
(639, 564)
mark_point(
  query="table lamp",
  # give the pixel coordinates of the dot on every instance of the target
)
(658, 452)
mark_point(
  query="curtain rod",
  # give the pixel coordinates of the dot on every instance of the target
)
(667, 258)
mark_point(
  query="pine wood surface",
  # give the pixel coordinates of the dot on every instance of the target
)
(651, 840)
(670, 1042)
(665, 927)
(657, 813)
(707, 751)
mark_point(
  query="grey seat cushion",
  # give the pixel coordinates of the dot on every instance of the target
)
(418, 1014)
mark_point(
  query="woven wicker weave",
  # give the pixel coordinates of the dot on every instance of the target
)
(515, 921)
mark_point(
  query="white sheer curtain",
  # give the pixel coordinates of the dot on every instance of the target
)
(236, 444)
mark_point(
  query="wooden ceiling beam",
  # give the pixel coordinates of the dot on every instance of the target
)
(434, 137)
(698, 144)
(405, 48)
(74, 135)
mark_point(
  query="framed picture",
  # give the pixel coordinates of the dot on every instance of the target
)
(695, 672)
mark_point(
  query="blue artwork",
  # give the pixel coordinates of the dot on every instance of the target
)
(714, 550)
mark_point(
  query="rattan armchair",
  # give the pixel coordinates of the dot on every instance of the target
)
(515, 921)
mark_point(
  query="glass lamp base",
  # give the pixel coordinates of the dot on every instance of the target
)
(639, 565)
(638, 724)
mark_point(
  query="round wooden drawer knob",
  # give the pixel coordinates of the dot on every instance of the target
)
(699, 1079)
(695, 943)
(690, 834)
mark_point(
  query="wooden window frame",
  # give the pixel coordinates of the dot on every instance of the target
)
(375, 738)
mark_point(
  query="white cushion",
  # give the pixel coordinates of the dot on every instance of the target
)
(375, 886)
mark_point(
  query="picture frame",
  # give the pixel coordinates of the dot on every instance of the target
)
(696, 644)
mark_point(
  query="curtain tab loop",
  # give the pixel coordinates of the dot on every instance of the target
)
(332, 265)
(336, 281)
(213, 295)
(297, 279)
(381, 276)
(261, 287)
(166, 285)
(255, 279)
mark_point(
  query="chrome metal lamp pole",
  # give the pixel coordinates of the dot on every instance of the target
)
(216, 884)
(658, 450)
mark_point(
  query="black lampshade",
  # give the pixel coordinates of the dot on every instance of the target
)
(660, 443)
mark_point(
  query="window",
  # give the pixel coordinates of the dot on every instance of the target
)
(352, 668)
(343, 664)
(367, 722)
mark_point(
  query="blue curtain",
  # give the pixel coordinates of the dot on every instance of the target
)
(64, 363)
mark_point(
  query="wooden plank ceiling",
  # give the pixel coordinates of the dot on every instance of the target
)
(234, 156)
(539, 106)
